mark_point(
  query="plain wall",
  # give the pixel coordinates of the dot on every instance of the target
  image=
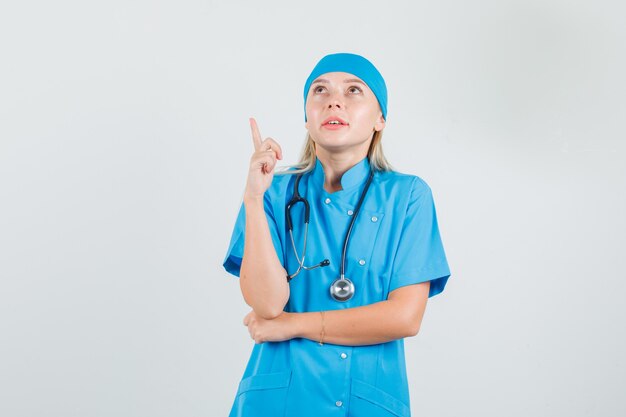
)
(124, 150)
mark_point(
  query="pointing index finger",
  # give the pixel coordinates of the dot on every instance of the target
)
(256, 135)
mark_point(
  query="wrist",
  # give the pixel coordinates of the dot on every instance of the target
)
(295, 324)
(252, 200)
(306, 325)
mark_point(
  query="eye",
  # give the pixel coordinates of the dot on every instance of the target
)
(316, 89)
(354, 87)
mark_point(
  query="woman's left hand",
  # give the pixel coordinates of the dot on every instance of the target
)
(275, 330)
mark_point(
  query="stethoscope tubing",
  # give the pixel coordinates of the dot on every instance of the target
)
(297, 198)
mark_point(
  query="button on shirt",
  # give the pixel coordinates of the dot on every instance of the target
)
(394, 242)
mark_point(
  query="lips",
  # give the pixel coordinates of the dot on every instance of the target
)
(334, 118)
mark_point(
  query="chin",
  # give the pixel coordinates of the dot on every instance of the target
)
(334, 146)
(332, 137)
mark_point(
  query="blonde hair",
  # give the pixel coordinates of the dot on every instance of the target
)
(375, 154)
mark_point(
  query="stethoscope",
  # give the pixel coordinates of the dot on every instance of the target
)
(342, 289)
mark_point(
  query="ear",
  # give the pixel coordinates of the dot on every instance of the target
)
(380, 124)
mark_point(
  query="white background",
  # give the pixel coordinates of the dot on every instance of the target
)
(124, 149)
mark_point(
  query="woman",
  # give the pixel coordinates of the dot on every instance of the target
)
(329, 343)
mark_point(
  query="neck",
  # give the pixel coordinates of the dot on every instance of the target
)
(335, 165)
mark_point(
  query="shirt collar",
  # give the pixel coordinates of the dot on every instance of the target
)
(351, 178)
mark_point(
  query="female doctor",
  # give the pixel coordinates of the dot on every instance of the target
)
(333, 299)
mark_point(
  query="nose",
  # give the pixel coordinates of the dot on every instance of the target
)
(335, 100)
(334, 104)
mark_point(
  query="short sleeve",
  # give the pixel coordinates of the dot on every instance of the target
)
(234, 254)
(420, 256)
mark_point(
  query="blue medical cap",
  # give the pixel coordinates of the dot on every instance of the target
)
(353, 64)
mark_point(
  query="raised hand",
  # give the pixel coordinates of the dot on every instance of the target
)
(262, 163)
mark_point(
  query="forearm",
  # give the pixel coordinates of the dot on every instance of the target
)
(262, 278)
(371, 324)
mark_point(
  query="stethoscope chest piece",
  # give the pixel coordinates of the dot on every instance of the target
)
(342, 289)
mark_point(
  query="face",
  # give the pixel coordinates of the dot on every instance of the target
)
(343, 97)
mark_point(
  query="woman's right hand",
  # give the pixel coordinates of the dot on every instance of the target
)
(262, 163)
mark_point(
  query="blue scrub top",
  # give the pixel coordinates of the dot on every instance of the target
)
(394, 242)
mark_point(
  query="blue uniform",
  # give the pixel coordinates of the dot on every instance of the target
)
(394, 242)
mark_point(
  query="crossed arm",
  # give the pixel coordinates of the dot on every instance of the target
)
(397, 317)
(265, 289)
